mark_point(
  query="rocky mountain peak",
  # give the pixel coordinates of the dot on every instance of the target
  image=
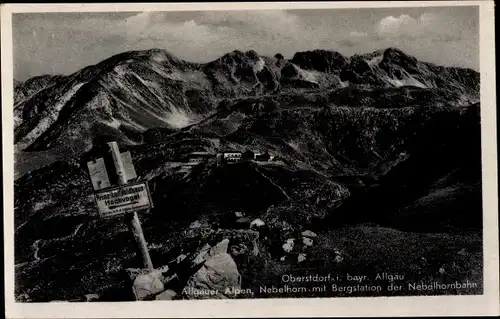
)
(320, 60)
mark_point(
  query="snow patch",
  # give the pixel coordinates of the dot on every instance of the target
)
(409, 81)
(344, 84)
(41, 205)
(159, 57)
(51, 115)
(375, 61)
(114, 123)
(178, 118)
(17, 119)
(294, 145)
(309, 76)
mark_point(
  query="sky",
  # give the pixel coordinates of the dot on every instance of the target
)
(63, 43)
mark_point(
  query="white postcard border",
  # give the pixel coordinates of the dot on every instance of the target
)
(486, 304)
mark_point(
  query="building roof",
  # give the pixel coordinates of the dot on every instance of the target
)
(201, 153)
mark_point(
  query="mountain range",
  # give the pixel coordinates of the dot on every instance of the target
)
(380, 145)
(131, 92)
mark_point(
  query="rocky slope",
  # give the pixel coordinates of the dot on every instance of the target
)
(375, 148)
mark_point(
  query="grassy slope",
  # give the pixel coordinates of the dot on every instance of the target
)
(368, 250)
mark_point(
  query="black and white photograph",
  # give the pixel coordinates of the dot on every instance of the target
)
(285, 153)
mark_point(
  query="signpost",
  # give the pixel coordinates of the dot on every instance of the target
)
(124, 199)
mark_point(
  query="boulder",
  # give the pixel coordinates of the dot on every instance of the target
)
(148, 284)
(238, 214)
(307, 241)
(257, 223)
(301, 257)
(220, 248)
(134, 272)
(208, 251)
(308, 233)
(166, 295)
(218, 275)
(288, 245)
(195, 224)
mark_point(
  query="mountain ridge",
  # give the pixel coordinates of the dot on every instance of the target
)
(173, 93)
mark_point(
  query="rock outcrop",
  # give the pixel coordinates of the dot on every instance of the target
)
(217, 275)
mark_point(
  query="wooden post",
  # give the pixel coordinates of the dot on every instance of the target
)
(135, 224)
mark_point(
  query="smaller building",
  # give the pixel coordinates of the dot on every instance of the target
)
(198, 157)
(262, 157)
(247, 155)
(228, 157)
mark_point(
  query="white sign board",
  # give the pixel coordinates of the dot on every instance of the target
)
(124, 199)
(129, 167)
(98, 174)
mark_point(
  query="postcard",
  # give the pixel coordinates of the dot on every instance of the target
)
(250, 159)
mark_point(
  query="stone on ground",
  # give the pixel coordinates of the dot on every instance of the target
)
(218, 274)
(166, 295)
(307, 241)
(288, 245)
(308, 233)
(301, 257)
(147, 284)
(219, 248)
(195, 224)
(238, 214)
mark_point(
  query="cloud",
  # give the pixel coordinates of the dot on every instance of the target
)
(391, 26)
(65, 43)
(358, 34)
(427, 25)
